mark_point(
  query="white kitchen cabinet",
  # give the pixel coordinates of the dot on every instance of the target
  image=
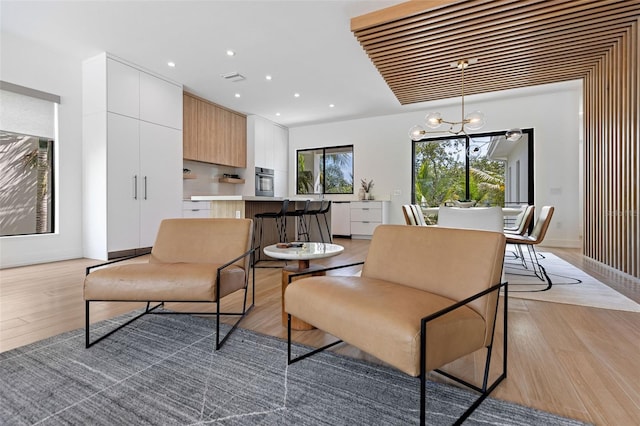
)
(280, 179)
(366, 216)
(271, 143)
(161, 183)
(280, 148)
(201, 209)
(123, 89)
(132, 168)
(341, 218)
(268, 147)
(123, 183)
(264, 143)
(140, 95)
(157, 101)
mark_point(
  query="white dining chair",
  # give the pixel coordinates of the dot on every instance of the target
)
(479, 218)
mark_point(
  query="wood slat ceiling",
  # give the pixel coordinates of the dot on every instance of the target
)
(518, 43)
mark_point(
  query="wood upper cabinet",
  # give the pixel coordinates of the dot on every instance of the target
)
(206, 131)
(239, 135)
(213, 134)
(222, 136)
(190, 128)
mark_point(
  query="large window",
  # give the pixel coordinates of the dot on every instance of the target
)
(325, 170)
(484, 168)
(27, 139)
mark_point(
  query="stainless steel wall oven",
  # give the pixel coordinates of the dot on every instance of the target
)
(264, 182)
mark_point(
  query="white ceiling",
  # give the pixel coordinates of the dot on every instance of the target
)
(306, 45)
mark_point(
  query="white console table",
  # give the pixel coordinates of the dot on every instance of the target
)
(366, 216)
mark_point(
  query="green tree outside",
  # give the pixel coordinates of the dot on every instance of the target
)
(439, 171)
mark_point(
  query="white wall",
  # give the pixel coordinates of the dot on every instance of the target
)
(517, 162)
(34, 66)
(382, 148)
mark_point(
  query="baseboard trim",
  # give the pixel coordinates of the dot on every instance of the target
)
(34, 259)
(561, 243)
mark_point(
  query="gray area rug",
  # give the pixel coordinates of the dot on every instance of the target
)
(162, 370)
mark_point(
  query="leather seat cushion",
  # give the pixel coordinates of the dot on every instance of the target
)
(383, 319)
(195, 282)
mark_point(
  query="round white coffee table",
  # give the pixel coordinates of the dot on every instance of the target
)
(303, 253)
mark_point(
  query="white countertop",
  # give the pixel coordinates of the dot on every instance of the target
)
(254, 198)
(246, 198)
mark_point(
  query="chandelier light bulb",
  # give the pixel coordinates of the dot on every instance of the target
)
(513, 134)
(433, 120)
(416, 133)
(474, 120)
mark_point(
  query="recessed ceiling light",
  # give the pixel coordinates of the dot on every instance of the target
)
(237, 95)
(268, 77)
(171, 64)
(296, 95)
(231, 53)
(277, 114)
(331, 105)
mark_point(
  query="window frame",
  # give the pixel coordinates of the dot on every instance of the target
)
(467, 138)
(323, 168)
(51, 150)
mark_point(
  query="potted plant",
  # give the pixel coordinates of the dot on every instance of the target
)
(366, 187)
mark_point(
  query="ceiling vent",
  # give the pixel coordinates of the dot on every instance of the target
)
(234, 77)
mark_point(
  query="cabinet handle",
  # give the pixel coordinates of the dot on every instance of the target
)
(135, 187)
(365, 209)
(145, 187)
(365, 221)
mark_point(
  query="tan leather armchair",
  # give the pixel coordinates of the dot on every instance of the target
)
(426, 296)
(192, 260)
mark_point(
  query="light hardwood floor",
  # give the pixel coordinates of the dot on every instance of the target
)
(575, 361)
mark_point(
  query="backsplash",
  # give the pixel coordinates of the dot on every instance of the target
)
(206, 180)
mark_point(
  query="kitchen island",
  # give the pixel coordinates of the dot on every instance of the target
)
(239, 206)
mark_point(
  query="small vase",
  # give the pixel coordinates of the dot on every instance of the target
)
(367, 196)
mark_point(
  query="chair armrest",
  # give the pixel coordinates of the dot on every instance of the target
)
(231, 262)
(330, 268)
(89, 268)
(464, 302)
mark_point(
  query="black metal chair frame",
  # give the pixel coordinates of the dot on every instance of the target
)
(322, 210)
(303, 228)
(483, 390)
(537, 269)
(527, 225)
(151, 310)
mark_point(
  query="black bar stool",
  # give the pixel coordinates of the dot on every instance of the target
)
(281, 225)
(303, 228)
(325, 205)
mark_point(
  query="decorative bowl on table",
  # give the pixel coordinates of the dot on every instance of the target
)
(464, 204)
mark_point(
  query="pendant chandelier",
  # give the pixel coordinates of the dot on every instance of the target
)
(472, 121)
